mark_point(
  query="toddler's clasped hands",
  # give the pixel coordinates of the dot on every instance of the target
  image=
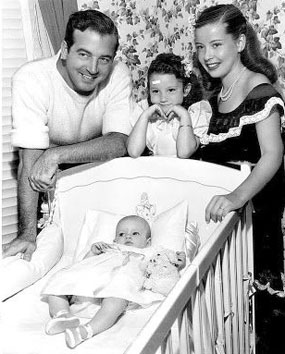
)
(155, 112)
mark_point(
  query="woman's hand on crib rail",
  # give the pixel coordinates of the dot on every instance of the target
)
(221, 205)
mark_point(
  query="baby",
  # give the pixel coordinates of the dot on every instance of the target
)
(131, 231)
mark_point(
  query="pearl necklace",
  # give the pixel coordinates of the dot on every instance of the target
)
(227, 95)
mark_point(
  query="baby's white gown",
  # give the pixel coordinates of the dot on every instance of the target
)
(116, 273)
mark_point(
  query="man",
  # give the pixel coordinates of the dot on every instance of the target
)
(72, 108)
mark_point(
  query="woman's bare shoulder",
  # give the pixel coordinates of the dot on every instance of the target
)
(254, 79)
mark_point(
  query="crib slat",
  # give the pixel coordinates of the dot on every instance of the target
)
(248, 272)
(210, 307)
(197, 323)
(240, 287)
(168, 344)
(234, 293)
(184, 322)
(219, 306)
(227, 297)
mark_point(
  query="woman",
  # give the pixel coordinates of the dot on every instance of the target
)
(245, 126)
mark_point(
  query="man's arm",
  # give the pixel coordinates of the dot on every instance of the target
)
(103, 148)
(27, 208)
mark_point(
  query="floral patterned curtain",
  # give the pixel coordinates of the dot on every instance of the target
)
(150, 27)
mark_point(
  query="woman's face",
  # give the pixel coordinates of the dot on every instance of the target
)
(165, 90)
(217, 50)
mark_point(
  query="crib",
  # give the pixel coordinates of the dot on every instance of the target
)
(210, 309)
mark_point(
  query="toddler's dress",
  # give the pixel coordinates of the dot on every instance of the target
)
(162, 136)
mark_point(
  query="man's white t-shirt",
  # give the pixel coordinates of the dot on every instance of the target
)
(47, 112)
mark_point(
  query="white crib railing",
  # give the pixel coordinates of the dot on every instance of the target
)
(210, 310)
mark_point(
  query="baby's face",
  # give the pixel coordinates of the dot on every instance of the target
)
(132, 231)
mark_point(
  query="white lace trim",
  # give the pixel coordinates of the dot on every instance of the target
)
(245, 120)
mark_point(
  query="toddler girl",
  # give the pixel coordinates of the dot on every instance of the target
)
(172, 119)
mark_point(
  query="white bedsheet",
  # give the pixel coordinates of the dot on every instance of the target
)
(23, 319)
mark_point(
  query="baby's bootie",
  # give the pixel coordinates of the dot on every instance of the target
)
(77, 335)
(60, 322)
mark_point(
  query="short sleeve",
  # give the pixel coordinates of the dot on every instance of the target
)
(29, 112)
(200, 113)
(119, 105)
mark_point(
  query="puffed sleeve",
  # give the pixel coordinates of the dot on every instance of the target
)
(29, 112)
(200, 113)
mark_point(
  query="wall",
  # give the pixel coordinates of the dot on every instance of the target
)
(149, 27)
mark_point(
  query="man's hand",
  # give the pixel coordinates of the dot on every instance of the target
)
(43, 172)
(19, 245)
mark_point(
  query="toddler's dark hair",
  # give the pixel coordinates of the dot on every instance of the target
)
(169, 63)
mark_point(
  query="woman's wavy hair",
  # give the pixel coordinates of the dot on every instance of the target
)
(169, 63)
(236, 24)
(91, 19)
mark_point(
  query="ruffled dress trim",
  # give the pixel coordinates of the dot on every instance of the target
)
(245, 120)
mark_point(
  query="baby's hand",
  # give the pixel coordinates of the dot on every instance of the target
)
(100, 247)
(181, 260)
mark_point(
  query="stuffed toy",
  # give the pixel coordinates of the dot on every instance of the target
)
(161, 271)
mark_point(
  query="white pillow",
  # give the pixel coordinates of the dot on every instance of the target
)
(167, 229)
(98, 225)
(17, 273)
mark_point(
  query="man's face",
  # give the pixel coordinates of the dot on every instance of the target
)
(88, 61)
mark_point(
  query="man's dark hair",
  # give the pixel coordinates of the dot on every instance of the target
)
(91, 19)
